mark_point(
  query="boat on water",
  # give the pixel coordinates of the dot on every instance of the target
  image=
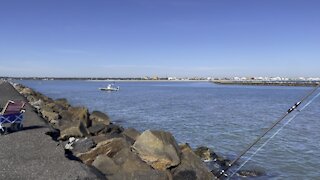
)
(110, 87)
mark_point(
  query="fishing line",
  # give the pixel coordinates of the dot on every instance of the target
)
(289, 111)
(277, 132)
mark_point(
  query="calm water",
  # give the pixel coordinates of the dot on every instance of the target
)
(224, 118)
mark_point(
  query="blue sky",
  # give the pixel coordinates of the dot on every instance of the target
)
(119, 38)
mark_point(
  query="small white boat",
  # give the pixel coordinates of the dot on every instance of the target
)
(110, 87)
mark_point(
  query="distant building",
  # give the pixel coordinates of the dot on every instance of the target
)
(236, 78)
(275, 79)
(313, 79)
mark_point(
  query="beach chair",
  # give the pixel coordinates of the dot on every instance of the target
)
(12, 114)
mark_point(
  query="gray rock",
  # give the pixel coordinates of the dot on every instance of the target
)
(129, 161)
(65, 115)
(77, 130)
(140, 175)
(58, 108)
(113, 129)
(26, 91)
(37, 104)
(191, 166)
(62, 102)
(74, 115)
(95, 129)
(158, 149)
(99, 138)
(83, 145)
(205, 153)
(32, 98)
(217, 164)
(98, 117)
(50, 115)
(131, 133)
(63, 124)
(43, 97)
(109, 147)
(105, 165)
(80, 114)
(132, 167)
(48, 106)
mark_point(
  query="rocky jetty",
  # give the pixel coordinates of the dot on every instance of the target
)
(31, 154)
(117, 152)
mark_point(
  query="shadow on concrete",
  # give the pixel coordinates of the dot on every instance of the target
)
(32, 127)
(8, 130)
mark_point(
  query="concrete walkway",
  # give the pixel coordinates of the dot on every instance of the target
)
(31, 154)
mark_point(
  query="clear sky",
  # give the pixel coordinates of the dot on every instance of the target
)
(119, 38)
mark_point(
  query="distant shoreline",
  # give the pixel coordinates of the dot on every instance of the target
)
(218, 82)
(107, 79)
(268, 83)
(149, 80)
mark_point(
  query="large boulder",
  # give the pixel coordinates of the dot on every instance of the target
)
(158, 149)
(63, 124)
(125, 165)
(113, 130)
(18, 87)
(80, 114)
(80, 145)
(50, 115)
(132, 167)
(99, 138)
(109, 147)
(98, 117)
(77, 130)
(191, 167)
(218, 164)
(129, 161)
(66, 115)
(141, 175)
(37, 104)
(58, 108)
(43, 98)
(131, 133)
(105, 165)
(26, 91)
(31, 98)
(96, 129)
(49, 105)
(75, 114)
(62, 102)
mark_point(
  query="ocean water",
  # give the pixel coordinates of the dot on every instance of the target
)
(224, 118)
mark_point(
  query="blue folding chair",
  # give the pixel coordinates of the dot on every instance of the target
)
(12, 114)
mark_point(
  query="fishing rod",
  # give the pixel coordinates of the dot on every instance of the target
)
(292, 108)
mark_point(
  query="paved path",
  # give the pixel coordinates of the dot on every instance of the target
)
(31, 154)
